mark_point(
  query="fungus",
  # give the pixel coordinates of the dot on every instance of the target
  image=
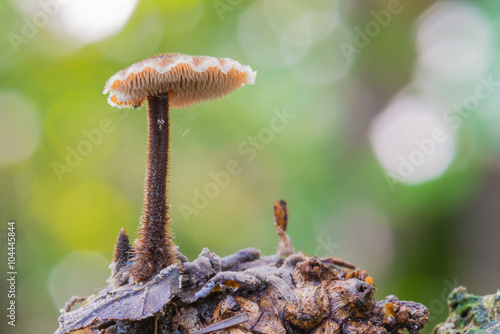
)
(285, 247)
(167, 80)
(121, 257)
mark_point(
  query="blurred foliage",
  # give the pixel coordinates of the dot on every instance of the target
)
(416, 240)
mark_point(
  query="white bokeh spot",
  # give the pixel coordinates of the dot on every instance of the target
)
(454, 41)
(84, 21)
(411, 141)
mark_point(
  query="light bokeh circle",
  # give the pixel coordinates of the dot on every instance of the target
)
(84, 21)
(411, 140)
(19, 128)
(454, 41)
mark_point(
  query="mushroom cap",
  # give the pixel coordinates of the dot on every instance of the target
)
(187, 79)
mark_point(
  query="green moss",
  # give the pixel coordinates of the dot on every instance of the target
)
(471, 314)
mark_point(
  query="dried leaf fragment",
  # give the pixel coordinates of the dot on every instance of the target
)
(130, 302)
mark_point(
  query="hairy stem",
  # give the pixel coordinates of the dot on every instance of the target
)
(154, 248)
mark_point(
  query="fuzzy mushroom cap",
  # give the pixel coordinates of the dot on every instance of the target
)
(187, 80)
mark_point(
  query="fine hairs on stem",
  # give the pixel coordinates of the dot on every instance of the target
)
(154, 248)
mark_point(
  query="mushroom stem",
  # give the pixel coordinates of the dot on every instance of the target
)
(154, 249)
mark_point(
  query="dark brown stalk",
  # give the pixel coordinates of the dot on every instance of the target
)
(154, 248)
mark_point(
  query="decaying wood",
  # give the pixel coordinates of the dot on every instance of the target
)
(228, 323)
(471, 314)
(247, 293)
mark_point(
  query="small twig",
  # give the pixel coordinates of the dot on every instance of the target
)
(248, 281)
(338, 261)
(233, 321)
(70, 303)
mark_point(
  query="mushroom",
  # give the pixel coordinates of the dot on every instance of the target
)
(167, 80)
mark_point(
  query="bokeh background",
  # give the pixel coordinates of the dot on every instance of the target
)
(377, 121)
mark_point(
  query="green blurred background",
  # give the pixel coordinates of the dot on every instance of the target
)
(365, 85)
